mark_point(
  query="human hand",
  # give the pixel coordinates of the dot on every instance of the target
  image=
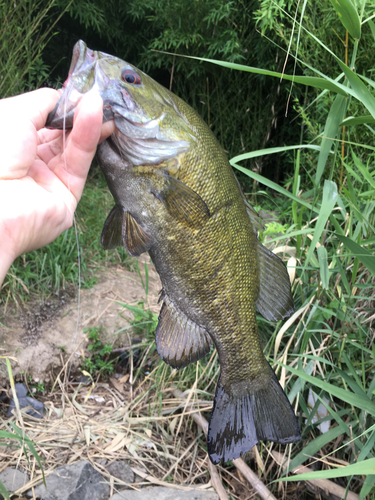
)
(41, 175)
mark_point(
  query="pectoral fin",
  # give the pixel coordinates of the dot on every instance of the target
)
(113, 228)
(137, 240)
(182, 202)
(179, 340)
(275, 299)
(121, 229)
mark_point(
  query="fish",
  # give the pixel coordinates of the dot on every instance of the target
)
(177, 198)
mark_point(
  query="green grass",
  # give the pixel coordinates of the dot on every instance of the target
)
(49, 269)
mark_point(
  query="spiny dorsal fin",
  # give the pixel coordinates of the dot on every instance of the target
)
(112, 230)
(179, 340)
(182, 202)
(136, 239)
(275, 299)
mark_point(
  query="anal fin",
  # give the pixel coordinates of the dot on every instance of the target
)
(179, 340)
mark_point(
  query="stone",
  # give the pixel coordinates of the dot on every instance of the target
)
(13, 479)
(78, 481)
(161, 493)
(37, 407)
(122, 471)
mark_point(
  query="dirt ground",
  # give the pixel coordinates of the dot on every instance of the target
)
(41, 338)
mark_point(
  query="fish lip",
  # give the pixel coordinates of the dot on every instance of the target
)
(86, 75)
(84, 61)
(75, 86)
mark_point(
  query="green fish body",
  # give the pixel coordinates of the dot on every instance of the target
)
(176, 197)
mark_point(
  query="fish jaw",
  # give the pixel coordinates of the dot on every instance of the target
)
(144, 131)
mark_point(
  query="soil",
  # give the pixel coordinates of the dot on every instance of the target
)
(42, 337)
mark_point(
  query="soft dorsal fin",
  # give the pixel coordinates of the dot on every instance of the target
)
(179, 340)
(112, 230)
(182, 202)
(121, 229)
(275, 299)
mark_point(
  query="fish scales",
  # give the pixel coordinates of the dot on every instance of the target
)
(177, 197)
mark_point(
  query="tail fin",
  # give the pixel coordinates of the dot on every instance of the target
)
(237, 423)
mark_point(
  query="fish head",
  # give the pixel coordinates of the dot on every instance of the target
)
(149, 128)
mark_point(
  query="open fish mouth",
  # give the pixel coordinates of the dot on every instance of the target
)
(141, 136)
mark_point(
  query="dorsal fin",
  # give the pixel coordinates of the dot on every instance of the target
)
(179, 340)
(275, 299)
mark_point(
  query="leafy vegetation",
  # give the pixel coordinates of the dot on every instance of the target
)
(99, 361)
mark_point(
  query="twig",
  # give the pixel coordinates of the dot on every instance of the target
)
(329, 487)
(216, 481)
(251, 477)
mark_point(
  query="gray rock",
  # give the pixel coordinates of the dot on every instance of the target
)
(13, 479)
(79, 481)
(122, 471)
(160, 493)
(37, 407)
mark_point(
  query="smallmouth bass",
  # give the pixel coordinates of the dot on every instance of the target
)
(177, 198)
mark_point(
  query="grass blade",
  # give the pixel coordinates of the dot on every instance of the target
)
(362, 468)
(364, 403)
(332, 126)
(363, 255)
(329, 200)
(4, 491)
(323, 264)
(273, 185)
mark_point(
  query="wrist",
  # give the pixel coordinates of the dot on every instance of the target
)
(5, 262)
(7, 254)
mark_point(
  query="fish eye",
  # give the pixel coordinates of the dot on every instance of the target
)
(130, 76)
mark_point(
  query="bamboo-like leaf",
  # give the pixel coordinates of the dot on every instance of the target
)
(332, 126)
(271, 151)
(367, 487)
(359, 88)
(372, 27)
(357, 120)
(325, 83)
(364, 170)
(329, 200)
(264, 180)
(323, 265)
(348, 16)
(361, 468)
(363, 255)
(357, 400)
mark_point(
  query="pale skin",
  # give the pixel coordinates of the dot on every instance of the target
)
(41, 175)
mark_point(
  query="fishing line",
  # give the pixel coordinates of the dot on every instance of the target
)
(65, 100)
